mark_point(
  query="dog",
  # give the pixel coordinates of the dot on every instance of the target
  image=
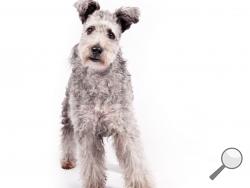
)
(99, 98)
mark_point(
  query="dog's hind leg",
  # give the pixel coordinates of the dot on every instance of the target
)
(68, 160)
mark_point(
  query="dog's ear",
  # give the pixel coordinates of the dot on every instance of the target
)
(126, 16)
(86, 8)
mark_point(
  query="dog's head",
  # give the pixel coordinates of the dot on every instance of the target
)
(99, 44)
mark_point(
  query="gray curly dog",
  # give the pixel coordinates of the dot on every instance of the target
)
(98, 100)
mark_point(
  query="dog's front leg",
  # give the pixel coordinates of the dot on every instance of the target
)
(91, 157)
(68, 144)
(130, 157)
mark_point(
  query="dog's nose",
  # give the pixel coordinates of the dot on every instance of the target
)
(96, 50)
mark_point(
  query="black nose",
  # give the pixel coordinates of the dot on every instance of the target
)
(96, 50)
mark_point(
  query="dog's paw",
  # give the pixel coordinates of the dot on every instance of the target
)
(67, 164)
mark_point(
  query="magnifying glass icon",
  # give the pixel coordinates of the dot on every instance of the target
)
(231, 158)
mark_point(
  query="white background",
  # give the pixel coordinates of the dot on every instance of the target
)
(190, 65)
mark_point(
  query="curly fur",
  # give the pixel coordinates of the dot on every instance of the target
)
(98, 104)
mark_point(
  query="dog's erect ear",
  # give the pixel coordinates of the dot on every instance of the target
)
(126, 16)
(86, 8)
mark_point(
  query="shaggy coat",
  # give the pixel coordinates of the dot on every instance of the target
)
(98, 104)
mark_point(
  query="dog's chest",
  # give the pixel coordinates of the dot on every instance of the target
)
(98, 92)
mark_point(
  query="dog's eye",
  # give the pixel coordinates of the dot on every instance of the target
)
(111, 35)
(90, 29)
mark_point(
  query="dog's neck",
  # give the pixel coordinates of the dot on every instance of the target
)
(99, 85)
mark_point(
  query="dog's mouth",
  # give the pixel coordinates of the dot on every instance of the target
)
(95, 59)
